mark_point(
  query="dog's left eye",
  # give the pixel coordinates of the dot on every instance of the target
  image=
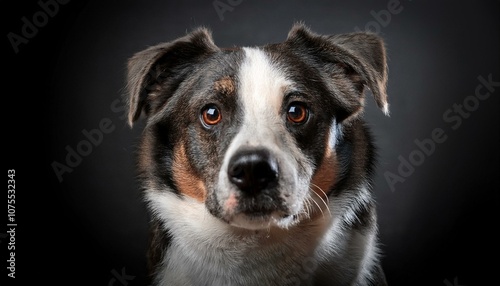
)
(297, 113)
(211, 115)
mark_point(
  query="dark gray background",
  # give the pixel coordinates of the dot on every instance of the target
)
(436, 228)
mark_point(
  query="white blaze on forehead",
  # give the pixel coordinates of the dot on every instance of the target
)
(262, 87)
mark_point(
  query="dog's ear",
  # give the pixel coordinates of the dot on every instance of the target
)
(155, 73)
(361, 56)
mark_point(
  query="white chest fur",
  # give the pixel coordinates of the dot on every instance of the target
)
(207, 251)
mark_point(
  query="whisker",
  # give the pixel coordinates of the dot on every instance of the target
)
(322, 200)
(314, 201)
(324, 193)
(320, 209)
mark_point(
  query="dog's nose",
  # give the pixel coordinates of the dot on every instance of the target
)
(253, 170)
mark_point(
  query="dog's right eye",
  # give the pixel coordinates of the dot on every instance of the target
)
(211, 115)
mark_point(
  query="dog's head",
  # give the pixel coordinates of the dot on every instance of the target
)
(252, 132)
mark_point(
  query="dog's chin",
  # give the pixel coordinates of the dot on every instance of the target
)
(260, 221)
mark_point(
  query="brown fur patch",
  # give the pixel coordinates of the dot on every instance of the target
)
(188, 183)
(326, 175)
(225, 85)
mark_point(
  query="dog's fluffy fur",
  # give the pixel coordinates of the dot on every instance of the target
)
(256, 163)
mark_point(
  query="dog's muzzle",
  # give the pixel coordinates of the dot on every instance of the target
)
(258, 187)
(255, 176)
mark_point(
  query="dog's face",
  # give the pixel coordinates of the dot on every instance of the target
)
(252, 132)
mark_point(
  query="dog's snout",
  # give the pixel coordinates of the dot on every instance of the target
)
(253, 170)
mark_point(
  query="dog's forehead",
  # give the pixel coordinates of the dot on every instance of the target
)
(253, 76)
(262, 82)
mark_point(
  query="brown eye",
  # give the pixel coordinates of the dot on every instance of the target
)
(211, 115)
(297, 113)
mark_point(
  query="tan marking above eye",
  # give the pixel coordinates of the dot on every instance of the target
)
(225, 85)
(211, 115)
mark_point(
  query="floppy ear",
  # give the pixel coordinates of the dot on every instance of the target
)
(361, 56)
(155, 73)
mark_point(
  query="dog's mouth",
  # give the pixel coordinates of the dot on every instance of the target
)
(256, 221)
(258, 212)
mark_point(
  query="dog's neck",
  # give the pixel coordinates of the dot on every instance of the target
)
(206, 251)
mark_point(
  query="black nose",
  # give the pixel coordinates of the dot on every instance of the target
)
(253, 170)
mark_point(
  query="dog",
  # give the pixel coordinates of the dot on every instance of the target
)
(255, 162)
